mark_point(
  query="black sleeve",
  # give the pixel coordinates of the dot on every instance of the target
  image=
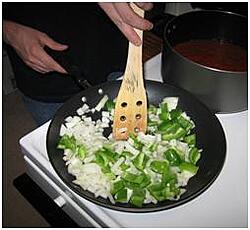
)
(12, 11)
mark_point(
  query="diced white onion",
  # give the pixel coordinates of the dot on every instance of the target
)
(171, 102)
(100, 91)
(84, 99)
(101, 103)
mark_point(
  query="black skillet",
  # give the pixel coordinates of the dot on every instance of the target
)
(210, 138)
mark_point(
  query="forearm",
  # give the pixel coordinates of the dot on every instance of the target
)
(10, 31)
(8, 28)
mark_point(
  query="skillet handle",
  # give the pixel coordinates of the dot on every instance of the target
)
(63, 59)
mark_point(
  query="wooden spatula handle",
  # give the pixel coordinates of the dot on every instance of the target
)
(135, 52)
(131, 105)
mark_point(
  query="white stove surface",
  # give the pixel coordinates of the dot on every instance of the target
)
(223, 204)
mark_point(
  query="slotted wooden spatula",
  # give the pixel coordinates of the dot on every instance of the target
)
(131, 104)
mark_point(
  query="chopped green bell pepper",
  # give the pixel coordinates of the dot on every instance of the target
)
(153, 147)
(173, 157)
(159, 166)
(140, 161)
(190, 139)
(157, 191)
(137, 144)
(168, 126)
(124, 166)
(109, 105)
(194, 155)
(177, 134)
(81, 151)
(138, 197)
(168, 177)
(121, 196)
(186, 124)
(175, 113)
(189, 167)
(134, 178)
(126, 154)
(118, 185)
(67, 142)
(144, 183)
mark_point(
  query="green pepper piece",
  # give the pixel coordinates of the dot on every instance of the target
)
(138, 197)
(164, 107)
(124, 166)
(130, 185)
(146, 181)
(121, 196)
(106, 169)
(194, 155)
(179, 133)
(110, 175)
(81, 151)
(99, 160)
(187, 166)
(107, 155)
(110, 155)
(118, 185)
(173, 157)
(134, 178)
(159, 166)
(140, 161)
(168, 193)
(168, 126)
(157, 191)
(102, 161)
(190, 140)
(67, 142)
(172, 186)
(156, 187)
(175, 113)
(161, 192)
(168, 178)
(164, 115)
(153, 147)
(109, 105)
(126, 154)
(137, 144)
(186, 124)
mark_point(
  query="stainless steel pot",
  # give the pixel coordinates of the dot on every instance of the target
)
(222, 91)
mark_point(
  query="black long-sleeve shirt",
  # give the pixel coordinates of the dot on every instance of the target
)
(95, 44)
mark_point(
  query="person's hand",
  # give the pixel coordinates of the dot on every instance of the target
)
(126, 19)
(29, 44)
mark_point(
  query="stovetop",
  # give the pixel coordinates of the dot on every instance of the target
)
(223, 204)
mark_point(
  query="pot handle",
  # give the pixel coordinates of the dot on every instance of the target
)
(160, 21)
(63, 58)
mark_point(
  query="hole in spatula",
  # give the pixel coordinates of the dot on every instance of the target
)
(136, 129)
(138, 116)
(123, 118)
(123, 130)
(139, 103)
(124, 104)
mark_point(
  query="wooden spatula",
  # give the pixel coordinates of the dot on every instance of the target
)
(131, 104)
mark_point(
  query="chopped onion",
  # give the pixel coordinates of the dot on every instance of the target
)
(101, 103)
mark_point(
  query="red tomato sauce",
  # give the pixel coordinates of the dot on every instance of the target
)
(215, 54)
